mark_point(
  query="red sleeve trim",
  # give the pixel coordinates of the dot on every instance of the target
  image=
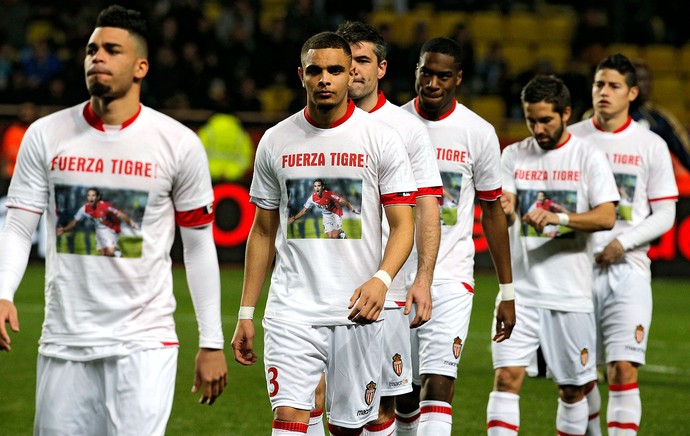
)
(399, 198)
(490, 195)
(674, 198)
(195, 218)
(469, 288)
(432, 191)
(170, 344)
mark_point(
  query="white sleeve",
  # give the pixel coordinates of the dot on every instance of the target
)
(203, 279)
(507, 169)
(15, 240)
(656, 224)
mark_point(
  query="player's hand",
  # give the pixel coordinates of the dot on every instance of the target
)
(242, 342)
(59, 231)
(507, 206)
(210, 374)
(291, 220)
(540, 218)
(611, 254)
(367, 302)
(505, 320)
(356, 212)
(419, 295)
(8, 314)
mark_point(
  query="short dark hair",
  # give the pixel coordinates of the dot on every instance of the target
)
(323, 184)
(621, 64)
(444, 46)
(326, 40)
(549, 89)
(356, 32)
(127, 19)
(96, 190)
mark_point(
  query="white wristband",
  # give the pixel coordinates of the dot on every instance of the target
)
(384, 277)
(563, 219)
(246, 312)
(507, 291)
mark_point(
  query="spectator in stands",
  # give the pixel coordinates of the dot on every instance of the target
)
(11, 139)
(228, 146)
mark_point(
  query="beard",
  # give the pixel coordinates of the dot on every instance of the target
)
(98, 89)
(553, 139)
(325, 107)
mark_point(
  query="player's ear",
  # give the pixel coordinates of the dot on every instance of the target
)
(567, 112)
(300, 73)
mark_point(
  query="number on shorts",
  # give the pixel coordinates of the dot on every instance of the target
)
(273, 382)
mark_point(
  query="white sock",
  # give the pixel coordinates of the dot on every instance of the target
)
(406, 423)
(624, 411)
(384, 429)
(503, 414)
(436, 418)
(286, 428)
(571, 419)
(594, 405)
(316, 423)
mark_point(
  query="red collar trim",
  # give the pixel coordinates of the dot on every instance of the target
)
(426, 117)
(348, 113)
(379, 103)
(618, 130)
(97, 123)
(564, 142)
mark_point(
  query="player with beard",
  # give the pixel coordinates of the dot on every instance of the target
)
(108, 350)
(468, 155)
(553, 284)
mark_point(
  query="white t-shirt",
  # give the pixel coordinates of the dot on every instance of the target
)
(554, 271)
(642, 166)
(155, 169)
(422, 156)
(358, 158)
(468, 156)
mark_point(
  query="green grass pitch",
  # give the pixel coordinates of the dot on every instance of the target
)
(244, 409)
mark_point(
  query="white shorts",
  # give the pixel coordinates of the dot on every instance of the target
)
(118, 395)
(332, 222)
(397, 366)
(437, 345)
(623, 310)
(295, 356)
(106, 237)
(567, 341)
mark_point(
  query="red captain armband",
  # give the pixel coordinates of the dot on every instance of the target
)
(195, 218)
(490, 195)
(399, 198)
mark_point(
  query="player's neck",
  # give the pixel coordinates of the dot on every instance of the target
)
(117, 111)
(368, 102)
(325, 119)
(611, 123)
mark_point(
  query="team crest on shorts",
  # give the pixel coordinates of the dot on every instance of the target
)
(457, 346)
(397, 364)
(369, 393)
(639, 333)
(584, 356)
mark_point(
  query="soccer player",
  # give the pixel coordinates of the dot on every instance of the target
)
(622, 278)
(468, 156)
(552, 274)
(108, 351)
(369, 59)
(331, 205)
(326, 295)
(107, 219)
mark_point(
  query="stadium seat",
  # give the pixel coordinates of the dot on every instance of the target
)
(486, 26)
(446, 21)
(684, 57)
(490, 107)
(275, 99)
(515, 130)
(668, 89)
(558, 27)
(521, 27)
(405, 27)
(630, 50)
(661, 58)
(519, 57)
(556, 53)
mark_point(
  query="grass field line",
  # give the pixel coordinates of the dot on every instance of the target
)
(663, 369)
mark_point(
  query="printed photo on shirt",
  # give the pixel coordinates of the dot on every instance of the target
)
(99, 221)
(324, 208)
(452, 186)
(552, 201)
(626, 188)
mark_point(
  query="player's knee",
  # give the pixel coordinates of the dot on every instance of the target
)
(509, 379)
(621, 373)
(437, 387)
(409, 402)
(290, 414)
(386, 410)
(571, 394)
